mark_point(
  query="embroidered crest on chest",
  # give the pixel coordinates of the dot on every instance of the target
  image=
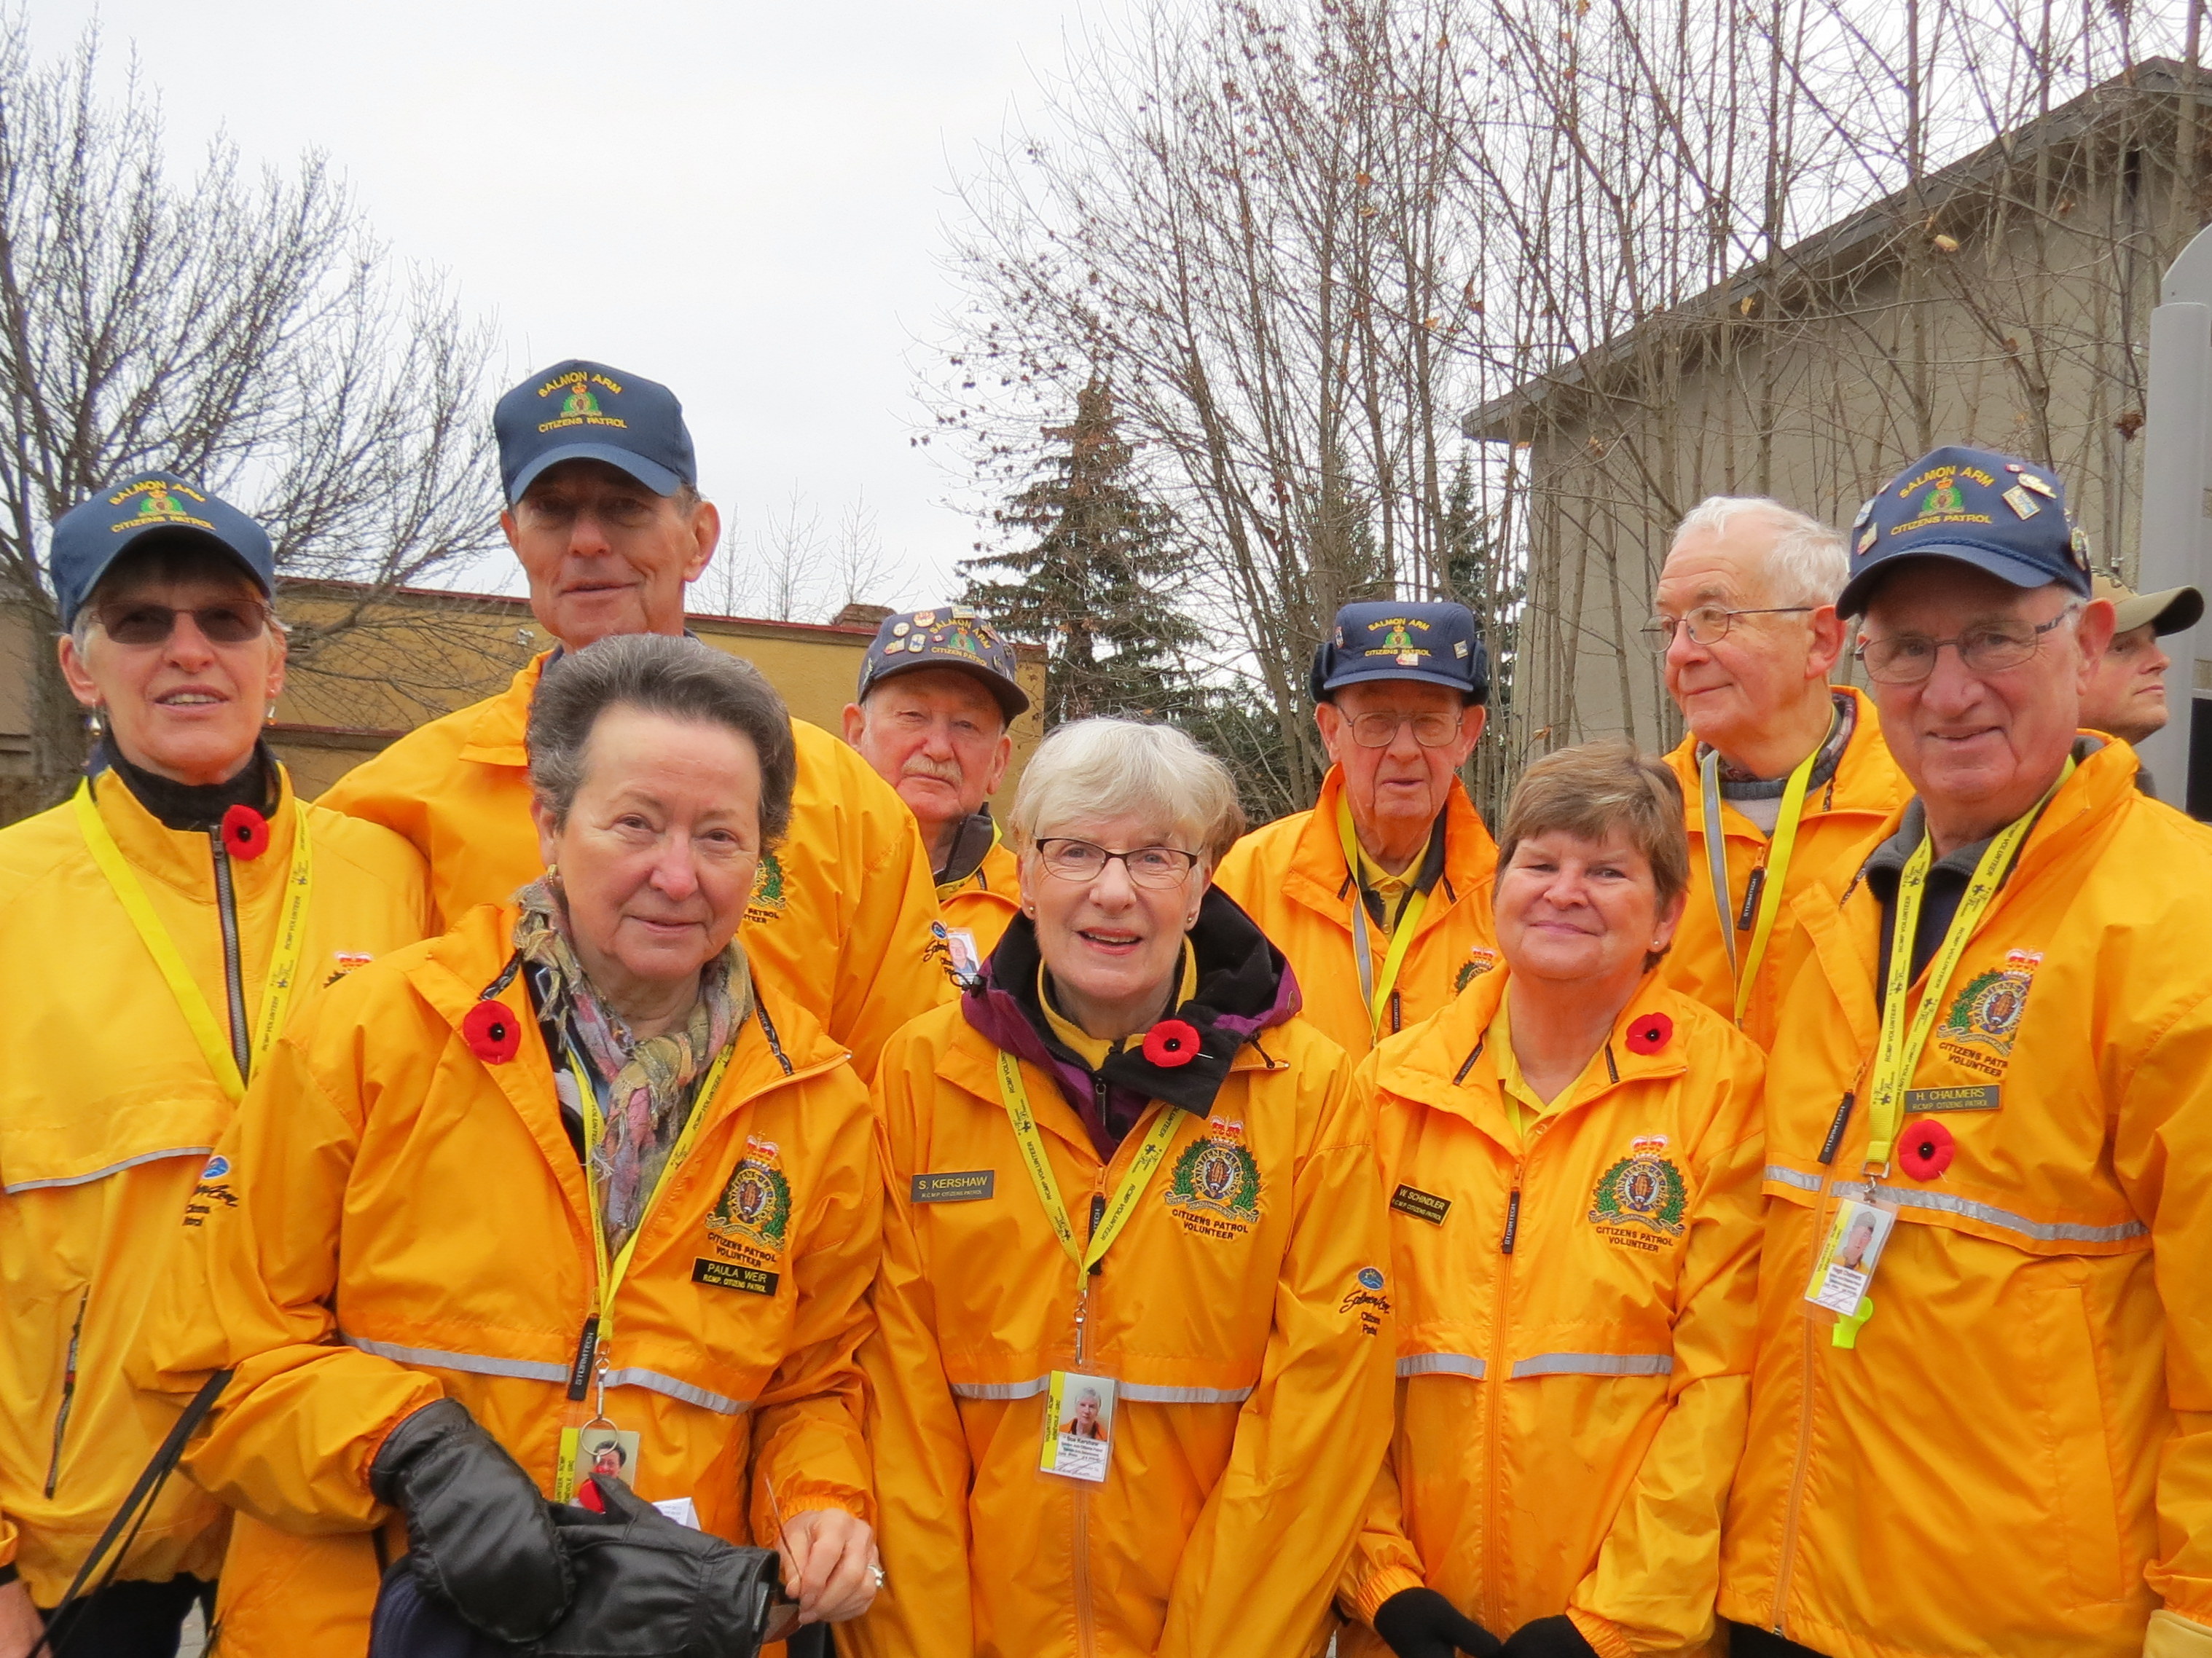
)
(1214, 1189)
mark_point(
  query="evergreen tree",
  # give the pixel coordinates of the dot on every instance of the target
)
(1092, 575)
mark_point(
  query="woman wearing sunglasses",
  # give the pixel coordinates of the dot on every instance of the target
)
(157, 932)
(1133, 1376)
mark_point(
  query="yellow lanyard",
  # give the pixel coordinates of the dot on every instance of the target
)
(611, 1276)
(1123, 1203)
(1897, 1052)
(283, 962)
(1780, 844)
(1376, 992)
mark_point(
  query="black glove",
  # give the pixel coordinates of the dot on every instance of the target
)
(647, 1587)
(479, 1534)
(1422, 1623)
(1549, 1637)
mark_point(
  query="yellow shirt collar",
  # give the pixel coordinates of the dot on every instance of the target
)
(1095, 1051)
(1522, 1106)
(1392, 890)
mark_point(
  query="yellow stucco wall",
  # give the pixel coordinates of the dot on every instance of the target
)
(364, 673)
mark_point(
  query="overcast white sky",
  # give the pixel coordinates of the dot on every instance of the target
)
(742, 199)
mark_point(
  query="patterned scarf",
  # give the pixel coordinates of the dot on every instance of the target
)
(646, 1086)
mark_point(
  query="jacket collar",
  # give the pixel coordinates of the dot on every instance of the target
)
(977, 834)
(780, 1042)
(1464, 861)
(497, 735)
(1245, 985)
(189, 807)
(1864, 778)
(1442, 1065)
(184, 858)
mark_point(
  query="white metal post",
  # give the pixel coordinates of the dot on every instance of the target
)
(2176, 510)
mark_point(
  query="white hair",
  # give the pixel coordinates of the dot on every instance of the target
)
(1808, 563)
(1091, 769)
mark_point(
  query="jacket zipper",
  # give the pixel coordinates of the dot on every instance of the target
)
(1788, 1557)
(226, 905)
(69, 1392)
(1493, 1380)
(1790, 1513)
(1087, 1636)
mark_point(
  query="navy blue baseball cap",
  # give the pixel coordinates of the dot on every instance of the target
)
(950, 636)
(2007, 517)
(1395, 638)
(88, 539)
(578, 410)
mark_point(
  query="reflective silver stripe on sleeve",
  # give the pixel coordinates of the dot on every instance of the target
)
(1001, 1389)
(112, 1168)
(721, 1404)
(1441, 1364)
(1781, 1176)
(1594, 1364)
(529, 1370)
(2043, 1231)
(1146, 1393)
(1141, 1392)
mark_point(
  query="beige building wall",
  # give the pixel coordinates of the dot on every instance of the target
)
(366, 671)
(2028, 340)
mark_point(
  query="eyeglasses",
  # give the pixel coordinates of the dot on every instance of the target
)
(1380, 731)
(1708, 623)
(1157, 867)
(1991, 647)
(233, 623)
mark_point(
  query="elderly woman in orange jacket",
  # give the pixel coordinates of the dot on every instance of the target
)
(1132, 1377)
(157, 933)
(1571, 1151)
(565, 1205)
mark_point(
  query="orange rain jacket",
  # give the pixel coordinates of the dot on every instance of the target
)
(840, 912)
(2016, 1456)
(1253, 1359)
(982, 903)
(1291, 877)
(108, 1112)
(1842, 822)
(1571, 1403)
(402, 1221)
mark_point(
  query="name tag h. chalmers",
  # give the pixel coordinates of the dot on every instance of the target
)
(959, 1185)
(729, 1275)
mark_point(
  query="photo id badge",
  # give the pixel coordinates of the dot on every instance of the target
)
(1078, 1426)
(597, 1447)
(1848, 1254)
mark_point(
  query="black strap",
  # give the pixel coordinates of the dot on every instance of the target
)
(136, 1506)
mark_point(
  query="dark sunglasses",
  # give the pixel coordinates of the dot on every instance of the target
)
(233, 623)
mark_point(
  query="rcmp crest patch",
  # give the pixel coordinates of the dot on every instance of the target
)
(753, 1214)
(766, 902)
(1478, 962)
(1215, 1188)
(1640, 1201)
(1984, 1019)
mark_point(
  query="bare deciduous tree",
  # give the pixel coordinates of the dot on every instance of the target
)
(244, 332)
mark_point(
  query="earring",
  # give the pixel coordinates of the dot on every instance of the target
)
(92, 719)
(270, 718)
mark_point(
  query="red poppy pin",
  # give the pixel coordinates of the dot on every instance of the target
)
(1650, 1032)
(1926, 1149)
(492, 1032)
(1171, 1042)
(245, 832)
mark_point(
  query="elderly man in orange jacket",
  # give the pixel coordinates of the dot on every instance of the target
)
(1380, 896)
(604, 512)
(936, 695)
(1784, 777)
(1991, 1432)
